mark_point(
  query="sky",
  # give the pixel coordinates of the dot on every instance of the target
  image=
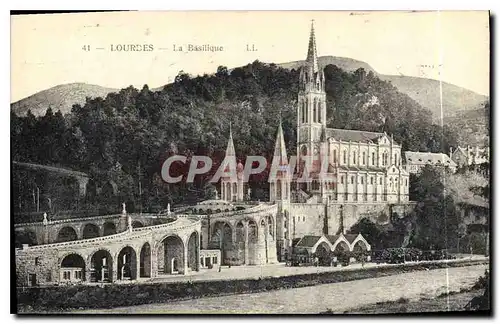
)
(48, 50)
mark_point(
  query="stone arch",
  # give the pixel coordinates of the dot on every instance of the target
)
(228, 192)
(127, 263)
(90, 230)
(341, 245)
(263, 225)
(25, 237)
(170, 254)
(360, 244)
(253, 231)
(145, 261)
(109, 228)
(101, 266)
(240, 232)
(303, 150)
(110, 188)
(270, 225)
(323, 253)
(137, 224)
(66, 234)
(74, 266)
(193, 250)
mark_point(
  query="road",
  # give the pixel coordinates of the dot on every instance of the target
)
(337, 296)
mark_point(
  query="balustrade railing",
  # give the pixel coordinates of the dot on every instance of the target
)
(177, 222)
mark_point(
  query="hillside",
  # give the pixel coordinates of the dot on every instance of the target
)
(127, 135)
(426, 93)
(422, 90)
(61, 97)
(470, 126)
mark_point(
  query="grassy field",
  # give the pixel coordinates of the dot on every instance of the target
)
(454, 302)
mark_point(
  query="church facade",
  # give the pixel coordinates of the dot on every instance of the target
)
(339, 176)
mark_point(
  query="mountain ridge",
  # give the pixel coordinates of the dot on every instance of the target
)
(423, 90)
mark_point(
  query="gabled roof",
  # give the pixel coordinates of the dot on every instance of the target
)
(308, 241)
(295, 241)
(353, 135)
(428, 158)
(361, 168)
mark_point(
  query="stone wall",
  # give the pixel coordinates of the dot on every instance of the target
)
(43, 264)
(69, 297)
(309, 219)
(306, 219)
(44, 261)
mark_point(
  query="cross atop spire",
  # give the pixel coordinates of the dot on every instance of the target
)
(312, 55)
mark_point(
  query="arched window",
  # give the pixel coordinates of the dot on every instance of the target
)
(319, 112)
(352, 179)
(396, 159)
(314, 110)
(385, 158)
(342, 179)
(345, 156)
(364, 157)
(373, 158)
(361, 179)
(301, 111)
(371, 180)
(354, 157)
(380, 180)
(306, 119)
(334, 156)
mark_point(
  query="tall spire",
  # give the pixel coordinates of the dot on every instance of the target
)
(279, 146)
(230, 145)
(312, 55)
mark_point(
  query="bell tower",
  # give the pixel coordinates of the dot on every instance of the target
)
(311, 108)
(232, 187)
(279, 193)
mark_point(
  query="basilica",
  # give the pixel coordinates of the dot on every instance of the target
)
(339, 176)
